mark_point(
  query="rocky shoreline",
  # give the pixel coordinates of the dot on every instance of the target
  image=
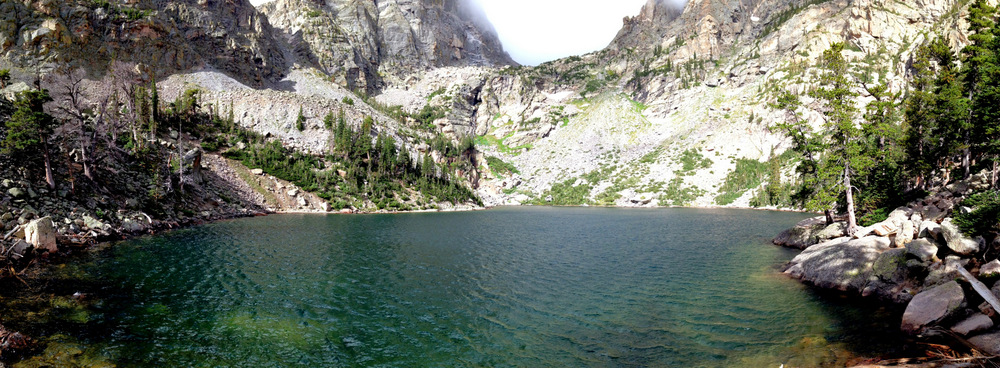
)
(915, 258)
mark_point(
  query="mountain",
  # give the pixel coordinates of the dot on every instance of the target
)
(361, 43)
(673, 112)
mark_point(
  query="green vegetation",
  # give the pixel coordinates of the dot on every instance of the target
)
(500, 167)
(359, 173)
(300, 121)
(691, 161)
(985, 216)
(677, 194)
(749, 174)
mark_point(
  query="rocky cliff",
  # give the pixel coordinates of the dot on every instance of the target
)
(171, 36)
(361, 44)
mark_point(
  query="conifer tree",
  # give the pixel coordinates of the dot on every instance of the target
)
(29, 128)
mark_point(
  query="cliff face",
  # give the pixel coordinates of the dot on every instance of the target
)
(171, 36)
(363, 43)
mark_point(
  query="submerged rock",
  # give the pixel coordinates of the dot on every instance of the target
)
(932, 306)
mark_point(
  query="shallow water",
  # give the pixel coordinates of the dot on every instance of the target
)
(511, 287)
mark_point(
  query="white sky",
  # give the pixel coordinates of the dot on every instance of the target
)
(536, 31)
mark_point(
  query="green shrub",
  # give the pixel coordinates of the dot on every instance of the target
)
(985, 215)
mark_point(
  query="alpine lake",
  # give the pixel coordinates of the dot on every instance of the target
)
(507, 287)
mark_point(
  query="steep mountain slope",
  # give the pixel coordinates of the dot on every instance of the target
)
(668, 110)
(361, 43)
(171, 36)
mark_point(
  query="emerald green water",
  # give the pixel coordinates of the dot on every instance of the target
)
(511, 287)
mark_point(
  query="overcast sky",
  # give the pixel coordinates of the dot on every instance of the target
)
(536, 31)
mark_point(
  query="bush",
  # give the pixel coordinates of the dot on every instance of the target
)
(985, 215)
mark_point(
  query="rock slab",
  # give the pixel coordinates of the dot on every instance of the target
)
(975, 323)
(932, 306)
(922, 249)
(956, 241)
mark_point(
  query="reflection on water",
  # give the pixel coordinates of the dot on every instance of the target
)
(508, 287)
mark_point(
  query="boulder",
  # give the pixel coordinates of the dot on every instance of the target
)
(92, 223)
(942, 272)
(930, 230)
(922, 249)
(17, 193)
(832, 231)
(20, 249)
(905, 234)
(257, 172)
(987, 343)
(932, 306)
(41, 234)
(956, 241)
(889, 277)
(976, 323)
(803, 234)
(991, 269)
(842, 264)
(131, 226)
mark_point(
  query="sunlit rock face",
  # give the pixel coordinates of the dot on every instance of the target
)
(361, 43)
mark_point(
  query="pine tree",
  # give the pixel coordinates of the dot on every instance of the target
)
(300, 122)
(29, 128)
(921, 141)
(328, 121)
(977, 60)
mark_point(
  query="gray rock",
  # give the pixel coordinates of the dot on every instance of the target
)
(987, 343)
(92, 223)
(905, 234)
(976, 323)
(257, 171)
(932, 306)
(889, 277)
(17, 193)
(930, 230)
(942, 272)
(956, 241)
(7, 217)
(131, 226)
(885, 228)
(41, 234)
(922, 249)
(833, 231)
(20, 249)
(990, 269)
(842, 264)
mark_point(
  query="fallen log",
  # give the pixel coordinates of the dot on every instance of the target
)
(979, 287)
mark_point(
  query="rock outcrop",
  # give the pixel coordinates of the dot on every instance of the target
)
(360, 43)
